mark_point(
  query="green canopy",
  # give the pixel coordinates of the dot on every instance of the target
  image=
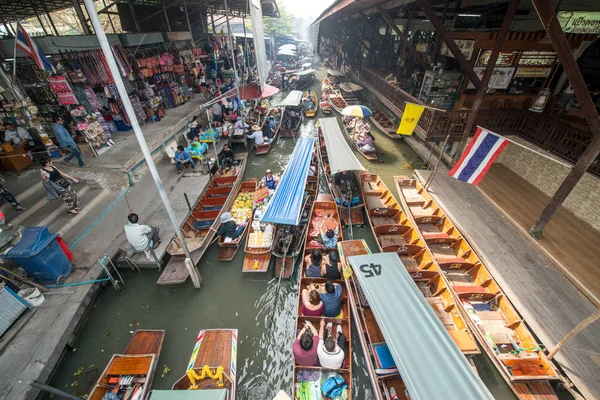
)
(209, 394)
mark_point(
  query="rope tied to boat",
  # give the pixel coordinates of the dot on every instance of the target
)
(206, 372)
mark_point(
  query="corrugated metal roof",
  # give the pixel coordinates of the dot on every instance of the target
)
(11, 309)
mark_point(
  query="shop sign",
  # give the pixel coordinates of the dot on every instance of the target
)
(500, 79)
(422, 47)
(579, 21)
(488, 20)
(505, 58)
(533, 72)
(466, 47)
(537, 58)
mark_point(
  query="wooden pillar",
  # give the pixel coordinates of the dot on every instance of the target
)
(39, 18)
(403, 37)
(443, 32)
(132, 11)
(81, 17)
(489, 69)
(109, 16)
(167, 18)
(563, 51)
(435, 53)
(408, 45)
(212, 22)
(50, 19)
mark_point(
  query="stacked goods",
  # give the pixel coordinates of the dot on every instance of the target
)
(242, 208)
(260, 238)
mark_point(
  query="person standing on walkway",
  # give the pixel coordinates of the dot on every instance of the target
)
(141, 236)
(57, 185)
(217, 112)
(65, 140)
(8, 196)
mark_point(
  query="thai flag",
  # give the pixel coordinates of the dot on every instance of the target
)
(29, 47)
(478, 157)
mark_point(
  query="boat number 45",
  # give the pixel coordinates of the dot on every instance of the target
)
(370, 270)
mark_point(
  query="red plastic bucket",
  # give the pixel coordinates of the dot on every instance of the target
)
(65, 248)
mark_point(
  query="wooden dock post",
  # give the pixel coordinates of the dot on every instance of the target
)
(581, 326)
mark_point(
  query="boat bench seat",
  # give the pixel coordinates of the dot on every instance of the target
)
(412, 196)
(437, 237)
(375, 202)
(453, 262)
(371, 188)
(204, 224)
(473, 293)
(463, 340)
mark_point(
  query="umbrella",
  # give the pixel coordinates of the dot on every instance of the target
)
(357, 111)
(252, 91)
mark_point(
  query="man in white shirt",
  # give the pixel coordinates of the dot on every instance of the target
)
(139, 236)
(331, 350)
(16, 134)
(257, 135)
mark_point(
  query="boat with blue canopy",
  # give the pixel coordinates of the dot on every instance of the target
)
(430, 364)
(291, 205)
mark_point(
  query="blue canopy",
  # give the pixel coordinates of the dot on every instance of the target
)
(286, 204)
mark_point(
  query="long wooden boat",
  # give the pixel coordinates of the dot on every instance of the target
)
(291, 130)
(355, 215)
(266, 147)
(325, 205)
(369, 155)
(295, 235)
(311, 95)
(256, 259)
(213, 364)
(132, 371)
(337, 101)
(395, 233)
(492, 318)
(228, 250)
(384, 123)
(202, 222)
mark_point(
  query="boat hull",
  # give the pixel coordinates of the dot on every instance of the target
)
(228, 250)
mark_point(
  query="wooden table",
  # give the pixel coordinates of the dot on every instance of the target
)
(15, 160)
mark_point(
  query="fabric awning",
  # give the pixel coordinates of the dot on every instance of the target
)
(286, 205)
(204, 394)
(430, 363)
(341, 156)
(294, 98)
(306, 72)
(335, 72)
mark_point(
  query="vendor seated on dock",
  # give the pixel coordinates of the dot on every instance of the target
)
(229, 228)
(331, 350)
(312, 306)
(141, 236)
(269, 180)
(228, 157)
(305, 346)
(183, 159)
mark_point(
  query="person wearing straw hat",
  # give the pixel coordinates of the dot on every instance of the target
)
(269, 180)
(257, 135)
(229, 228)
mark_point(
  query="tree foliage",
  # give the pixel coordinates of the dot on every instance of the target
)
(279, 26)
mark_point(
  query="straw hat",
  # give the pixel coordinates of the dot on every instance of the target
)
(269, 171)
(225, 217)
(256, 128)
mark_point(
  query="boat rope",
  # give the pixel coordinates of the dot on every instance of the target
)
(206, 372)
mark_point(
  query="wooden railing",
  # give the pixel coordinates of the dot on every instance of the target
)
(546, 131)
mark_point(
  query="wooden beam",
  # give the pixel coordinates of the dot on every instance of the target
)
(362, 36)
(443, 32)
(402, 37)
(438, 41)
(374, 30)
(560, 43)
(487, 74)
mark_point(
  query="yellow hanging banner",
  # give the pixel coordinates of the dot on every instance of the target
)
(410, 118)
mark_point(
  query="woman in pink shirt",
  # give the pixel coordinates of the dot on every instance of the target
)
(305, 346)
(312, 306)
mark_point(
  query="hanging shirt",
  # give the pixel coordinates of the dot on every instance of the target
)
(17, 136)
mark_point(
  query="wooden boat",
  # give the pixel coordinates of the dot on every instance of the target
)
(256, 259)
(228, 250)
(369, 155)
(266, 147)
(492, 318)
(202, 222)
(325, 205)
(311, 95)
(213, 364)
(325, 107)
(384, 123)
(356, 211)
(337, 101)
(286, 260)
(139, 362)
(395, 233)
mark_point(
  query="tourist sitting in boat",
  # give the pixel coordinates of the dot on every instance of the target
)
(228, 157)
(183, 159)
(305, 346)
(331, 350)
(229, 228)
(309, 104)
(331, 270)
(314, 262)
(331, 296)
(312, 306)
(267, 130)
(367, 143)
(346, 181)
(257, 135)
(269, 180)
(328, 231)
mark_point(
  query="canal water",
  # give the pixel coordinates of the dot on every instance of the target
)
(262, 309)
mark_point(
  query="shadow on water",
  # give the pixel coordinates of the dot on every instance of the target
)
(263, 312)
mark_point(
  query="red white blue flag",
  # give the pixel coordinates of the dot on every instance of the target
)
(29, 47)
(477, 159)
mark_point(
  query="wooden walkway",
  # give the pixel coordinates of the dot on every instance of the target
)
(549, 303)
(565, 235)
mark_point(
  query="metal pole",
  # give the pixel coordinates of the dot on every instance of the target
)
(110, 60)
(39, 18)
(50, 19)
(132, 11)
(214, 142)
(166, 17)
(109, 16)
(15, 55)
(79, 12)
(237, 83)
(52, 390)
(187, 17)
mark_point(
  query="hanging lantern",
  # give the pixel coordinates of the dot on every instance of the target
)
(540, 101)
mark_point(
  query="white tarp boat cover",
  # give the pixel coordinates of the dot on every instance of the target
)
(341, 157)
(335, 72)
(259, 42)
(306, 72)
(286, 52)
(350, 87)
(430, 363)
(294, 98)
(287, 47)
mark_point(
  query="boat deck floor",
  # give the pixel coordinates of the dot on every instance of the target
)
(549, 302)
(262, 262)
(377, 221)
(215, 350)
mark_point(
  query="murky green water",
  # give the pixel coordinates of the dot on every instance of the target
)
(262, 310)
